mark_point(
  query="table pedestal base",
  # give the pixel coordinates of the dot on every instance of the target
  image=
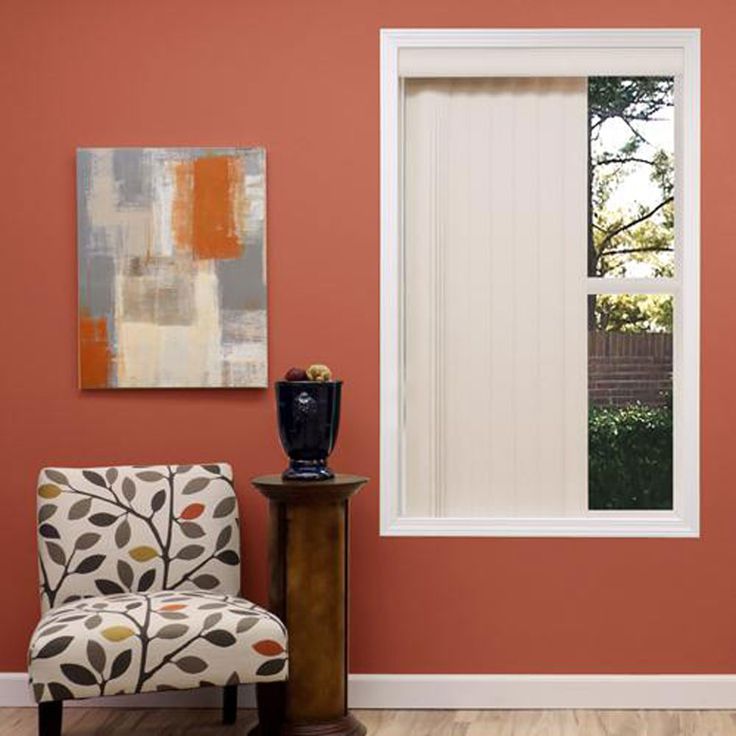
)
(308, 552)
(348, 725)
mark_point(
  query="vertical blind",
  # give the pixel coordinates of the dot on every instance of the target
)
(494, 313)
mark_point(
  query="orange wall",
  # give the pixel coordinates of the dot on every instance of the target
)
(301, 78)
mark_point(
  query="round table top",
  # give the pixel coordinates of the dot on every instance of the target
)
(338, 488)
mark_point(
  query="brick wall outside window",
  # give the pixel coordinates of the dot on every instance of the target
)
(624, 368)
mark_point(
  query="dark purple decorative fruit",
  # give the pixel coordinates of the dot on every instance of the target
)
(296, 374)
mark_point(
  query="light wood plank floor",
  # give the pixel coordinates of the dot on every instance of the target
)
(151, 722)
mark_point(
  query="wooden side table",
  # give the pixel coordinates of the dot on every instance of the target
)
(308, 558)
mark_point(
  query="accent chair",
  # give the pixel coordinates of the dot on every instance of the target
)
(140, 591)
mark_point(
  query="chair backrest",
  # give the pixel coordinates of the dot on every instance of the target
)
(137, 528)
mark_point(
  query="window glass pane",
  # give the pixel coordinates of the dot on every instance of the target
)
(630, 401)
(631, 175)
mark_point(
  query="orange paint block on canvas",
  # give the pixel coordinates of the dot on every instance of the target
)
(94, 352)
(214, 223)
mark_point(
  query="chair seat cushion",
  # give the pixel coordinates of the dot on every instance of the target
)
(141, 642)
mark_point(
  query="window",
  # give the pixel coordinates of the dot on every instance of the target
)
(539, 295)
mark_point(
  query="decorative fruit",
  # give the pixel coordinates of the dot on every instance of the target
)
(319, 372)
(296, 374)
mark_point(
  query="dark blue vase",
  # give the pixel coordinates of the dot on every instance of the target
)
(308, 418)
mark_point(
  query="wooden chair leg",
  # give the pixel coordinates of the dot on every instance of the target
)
(229, 704)
(49, 718)
(270, 698)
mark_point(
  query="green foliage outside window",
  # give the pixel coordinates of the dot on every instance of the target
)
(630, 457)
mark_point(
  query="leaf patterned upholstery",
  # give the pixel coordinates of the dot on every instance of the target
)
(118, 529)
(143, 642)
(140, 577)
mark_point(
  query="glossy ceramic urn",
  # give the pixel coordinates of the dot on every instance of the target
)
(308, 419)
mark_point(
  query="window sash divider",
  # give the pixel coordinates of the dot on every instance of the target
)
(615, 285)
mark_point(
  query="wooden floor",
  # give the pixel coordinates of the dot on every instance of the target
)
(150, 722)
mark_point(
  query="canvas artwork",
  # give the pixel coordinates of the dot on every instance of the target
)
(172, 267)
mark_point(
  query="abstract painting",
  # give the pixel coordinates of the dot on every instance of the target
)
(172, 267)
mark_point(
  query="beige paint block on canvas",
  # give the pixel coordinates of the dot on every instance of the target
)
(174, 355)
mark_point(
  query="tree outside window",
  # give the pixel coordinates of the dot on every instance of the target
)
(630, 235)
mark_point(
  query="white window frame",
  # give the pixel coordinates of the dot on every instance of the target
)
(683, 520)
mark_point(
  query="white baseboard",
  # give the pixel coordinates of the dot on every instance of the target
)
(518, 692)
(474, 692)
